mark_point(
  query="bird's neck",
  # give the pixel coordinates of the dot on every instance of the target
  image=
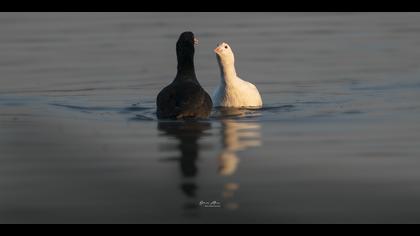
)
(227, 72)
(186, 67)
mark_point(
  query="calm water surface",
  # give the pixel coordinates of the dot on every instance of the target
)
(337, 141)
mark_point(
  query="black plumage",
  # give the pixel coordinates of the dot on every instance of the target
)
(184, 98)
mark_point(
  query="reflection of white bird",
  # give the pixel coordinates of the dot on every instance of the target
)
(233, 91)
(228, 163)
(237, 136)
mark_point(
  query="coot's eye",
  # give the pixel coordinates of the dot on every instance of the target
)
(226, 47)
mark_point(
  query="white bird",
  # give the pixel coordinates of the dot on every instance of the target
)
(232, 90)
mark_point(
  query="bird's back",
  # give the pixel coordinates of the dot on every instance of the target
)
(183, 99)
(239, 93)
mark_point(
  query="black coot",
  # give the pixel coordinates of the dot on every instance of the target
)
(184, 98)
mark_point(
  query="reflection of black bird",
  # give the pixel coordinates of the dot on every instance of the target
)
(188, 133)
(184, 97)
(189, 189)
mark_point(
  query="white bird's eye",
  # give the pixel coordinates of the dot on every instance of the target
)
(226, 47)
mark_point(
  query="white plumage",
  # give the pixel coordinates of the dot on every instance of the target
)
(232, 90)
